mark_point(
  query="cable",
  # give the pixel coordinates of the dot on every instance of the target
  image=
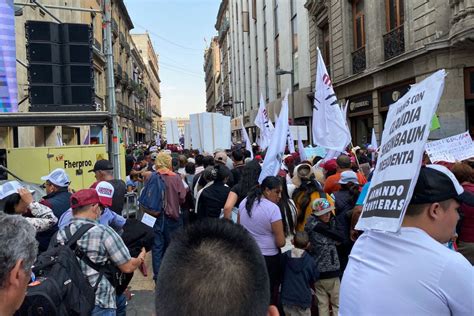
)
(183, 72)
(169, 41)
(181, 68)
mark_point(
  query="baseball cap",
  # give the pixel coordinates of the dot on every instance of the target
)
(329, 165)
(321, 206)
(84, 197)
(221, 157)
(9, 188)
(436, 184)
(105, 191)
(102, 165)
(348, 176)
(57, 177)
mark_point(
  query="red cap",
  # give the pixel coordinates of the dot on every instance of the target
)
(84, 197)
(330, 165)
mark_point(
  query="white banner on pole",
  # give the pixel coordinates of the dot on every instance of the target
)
(210, 131)
(276, 149)
(172, 133)
(187, 136)
(264, 124)
(451, 149)
(403, 143)
(246, 139)
(329, 126)
(301, 151)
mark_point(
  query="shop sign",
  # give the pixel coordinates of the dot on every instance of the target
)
(361, 103)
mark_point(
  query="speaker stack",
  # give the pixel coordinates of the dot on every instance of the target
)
(60, 71)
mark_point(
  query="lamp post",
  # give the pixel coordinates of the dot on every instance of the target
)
(281, 72)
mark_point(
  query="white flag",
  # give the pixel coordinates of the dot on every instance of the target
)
(301, 148)
(373, 144)
(329, 126)
(264, 124)
(276, 148)
(246, 139)
(291, 141)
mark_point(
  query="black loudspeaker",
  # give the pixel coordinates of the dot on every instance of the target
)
(40, 31)
(43, 53)
(76, 33)
(60, 69)
(46, 94)
(45, 74)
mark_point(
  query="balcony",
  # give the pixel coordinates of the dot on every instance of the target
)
(127, 49)
(461, 33)
(358, 60)
(125, 81)
(118, 71)
(97, 45)
(115, 28)
(394, 43)
(122, 40)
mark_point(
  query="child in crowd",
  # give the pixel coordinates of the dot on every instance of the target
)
(300, 272)
(324, 235)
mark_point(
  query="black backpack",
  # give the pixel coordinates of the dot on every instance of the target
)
(112, 273)
(60, 288)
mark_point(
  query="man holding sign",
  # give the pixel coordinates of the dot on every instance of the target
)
(399, 266)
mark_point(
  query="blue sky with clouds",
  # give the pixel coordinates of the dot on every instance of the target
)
(178, 29)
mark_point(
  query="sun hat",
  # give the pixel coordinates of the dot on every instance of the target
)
(348, 176)
(9, 188)
(321, 206)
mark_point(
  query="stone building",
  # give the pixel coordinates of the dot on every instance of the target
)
(267, 52)
(212, 70)
(375, 50)
(150, 59)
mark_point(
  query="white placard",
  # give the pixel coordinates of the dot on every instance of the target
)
(451, 149)
(302, 129)
(172, 133)
(403, 143)
(210, 131)
(148, 220)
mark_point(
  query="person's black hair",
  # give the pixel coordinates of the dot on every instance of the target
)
(175, 163)
(330, 173)
(353, 191)
(247, 154)
(208, 161)
(10, 202)
(302, 196)
(256, 193)
(250, 173)
(222, 172)
(343, 161)
(146, 153)
(316, 159)
(140, 158)
(190, 168)
(237, 155)
(199, 160)
(285, 209)
(221, 271)
(128, 151)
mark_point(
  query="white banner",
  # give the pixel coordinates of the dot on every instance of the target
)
(403, 143)
(187, 136)
(276, 149)
(246, 139)
(264, 124)
(210, 131)
(172, 133)
(302, 130)
(329, 126)
(451, 149)
(301, 151)
(290, 141)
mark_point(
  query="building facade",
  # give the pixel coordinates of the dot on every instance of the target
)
(375, 50)
(152, 81)
(268, 54)
(212, 70)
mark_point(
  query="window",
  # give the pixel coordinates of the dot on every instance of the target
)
(293, 7)
(245, 21)
(254, 10)
(394, 13)
(294, 44)
(275, 17)
(277, 64)
(469, 83)
(358, 20)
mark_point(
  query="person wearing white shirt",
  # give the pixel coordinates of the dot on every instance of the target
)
(411, 272)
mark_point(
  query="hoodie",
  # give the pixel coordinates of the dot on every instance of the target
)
(300, 272)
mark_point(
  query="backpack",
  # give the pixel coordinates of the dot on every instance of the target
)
(153, 198)
(60, 287)
(110, 271)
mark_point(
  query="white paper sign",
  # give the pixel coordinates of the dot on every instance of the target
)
(451, 149)
(172, 133)
(148, 220)
(403, 143)
(210, 131)
(303, 130)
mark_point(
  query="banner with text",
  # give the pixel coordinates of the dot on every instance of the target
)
(403, 142)
(451, 149)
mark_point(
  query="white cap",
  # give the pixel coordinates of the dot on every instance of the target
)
(57, 177)
(9, 188)
(106, 192)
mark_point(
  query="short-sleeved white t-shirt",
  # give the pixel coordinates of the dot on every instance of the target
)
(407, 273)
(259, 225)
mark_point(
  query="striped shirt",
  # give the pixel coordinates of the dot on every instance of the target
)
(100, 243)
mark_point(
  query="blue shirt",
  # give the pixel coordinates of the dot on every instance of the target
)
(108, 218)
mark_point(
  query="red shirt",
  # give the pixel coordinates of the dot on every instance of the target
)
(467, 226)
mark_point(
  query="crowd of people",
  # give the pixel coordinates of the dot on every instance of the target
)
(224, 244)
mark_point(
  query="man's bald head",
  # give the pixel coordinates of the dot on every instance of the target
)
(343, 162)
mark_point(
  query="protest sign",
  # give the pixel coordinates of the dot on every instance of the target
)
(403, 143)
(172, 133)
(312, 152)
(301, 129)
(210, 131)
(451, 149)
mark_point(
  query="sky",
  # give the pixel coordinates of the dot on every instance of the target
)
(178, 30)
